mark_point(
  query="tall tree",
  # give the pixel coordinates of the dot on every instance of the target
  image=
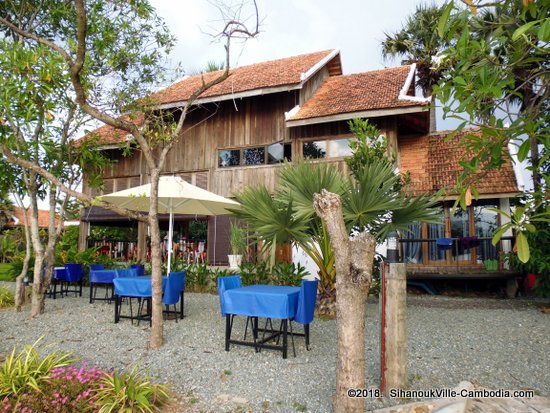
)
(418, 42)
(113, 53)
(497, 76)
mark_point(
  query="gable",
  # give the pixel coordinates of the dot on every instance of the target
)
(433, 163)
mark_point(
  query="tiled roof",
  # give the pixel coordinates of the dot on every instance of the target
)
(107, 135)
(377, 89)
(274, 73)
(43, 217)
(271, 74)
(433, 165)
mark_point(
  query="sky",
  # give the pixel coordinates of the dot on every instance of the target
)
(288, 28)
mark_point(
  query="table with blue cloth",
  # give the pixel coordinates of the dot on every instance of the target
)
(137, 287)
(266, 301)
(101, 277)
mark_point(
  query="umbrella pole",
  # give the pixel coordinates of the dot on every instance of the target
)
(170, 236)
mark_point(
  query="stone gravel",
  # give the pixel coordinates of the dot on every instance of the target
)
(499, 344)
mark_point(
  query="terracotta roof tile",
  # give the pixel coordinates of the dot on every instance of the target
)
(107, 135)
(43, 217)
(377, 89)
(433, 164)
(273, 73)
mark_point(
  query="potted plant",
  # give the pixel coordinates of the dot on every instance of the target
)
(237, 242)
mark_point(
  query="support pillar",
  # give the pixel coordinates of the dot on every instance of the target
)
(393, 335)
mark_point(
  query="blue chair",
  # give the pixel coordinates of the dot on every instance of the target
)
(73, 275)
(305, 310)
(103, 278)
(173, 292)
(227, 283)
(140, 269)
(96, 267)
(126, 272)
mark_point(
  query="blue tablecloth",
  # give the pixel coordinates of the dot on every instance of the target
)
(269, 301)
(102, 276)
(135, 286)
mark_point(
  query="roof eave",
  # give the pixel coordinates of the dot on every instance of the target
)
(354, 115)
(304, 77)
(231, 96)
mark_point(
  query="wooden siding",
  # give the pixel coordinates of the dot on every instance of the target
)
(311, 86)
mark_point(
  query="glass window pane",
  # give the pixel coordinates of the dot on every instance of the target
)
(278, 152)
(315, 150)
(254, 156)
(339, 148)
(231, 157)
(486, 224)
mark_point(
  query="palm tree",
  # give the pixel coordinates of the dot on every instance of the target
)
(372, 202)
(418, 42)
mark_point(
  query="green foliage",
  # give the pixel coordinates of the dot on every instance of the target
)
(132, 392)
(28, 370)
(7, 298)
(254, 273)
(198, 230)
(12, 246)
(68, 390)
(368, 143)
(237, 239)
(539, 262)
(285, 273)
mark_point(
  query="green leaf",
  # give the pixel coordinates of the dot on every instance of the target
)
(442, 24)
(544, 31)
(523, 29)
(522, 247)
(523, 150)
(498, 235)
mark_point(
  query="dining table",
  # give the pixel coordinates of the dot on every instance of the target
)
(261, 301)
(133, 287)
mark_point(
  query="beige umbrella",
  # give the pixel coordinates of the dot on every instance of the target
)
(175, 196)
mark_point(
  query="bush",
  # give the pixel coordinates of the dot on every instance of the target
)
(131, 392)
(7, 298)
(30, 384)
(26, 370)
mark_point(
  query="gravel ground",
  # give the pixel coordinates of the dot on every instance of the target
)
(499, 344)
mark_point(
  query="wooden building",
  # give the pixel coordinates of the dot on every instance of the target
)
(239, 131)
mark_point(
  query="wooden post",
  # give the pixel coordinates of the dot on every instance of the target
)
(393, 335)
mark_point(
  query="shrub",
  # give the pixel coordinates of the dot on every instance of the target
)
(68, 390)
(131, 392)
(7, 298)
(288, 273)
(30, 384)
(27, 370)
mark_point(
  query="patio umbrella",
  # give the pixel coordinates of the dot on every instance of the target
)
(175, 196)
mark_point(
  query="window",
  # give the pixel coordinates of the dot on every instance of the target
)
(278, 152)
(315, 150)
(330, 148)
(230, 157)
(258, 155)
(254, 156)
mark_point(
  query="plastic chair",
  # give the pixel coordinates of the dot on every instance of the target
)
(173, 292)
(140, 269)
(102, 278)
(73, 274)
(96, 267)
(227, 283)
(305, 310)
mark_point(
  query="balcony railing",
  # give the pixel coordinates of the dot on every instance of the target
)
(468, 251)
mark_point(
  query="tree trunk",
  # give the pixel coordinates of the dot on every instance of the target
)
(433, 116)
(354, 259)
(20, 293)
(157, 321)
(37, 298)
